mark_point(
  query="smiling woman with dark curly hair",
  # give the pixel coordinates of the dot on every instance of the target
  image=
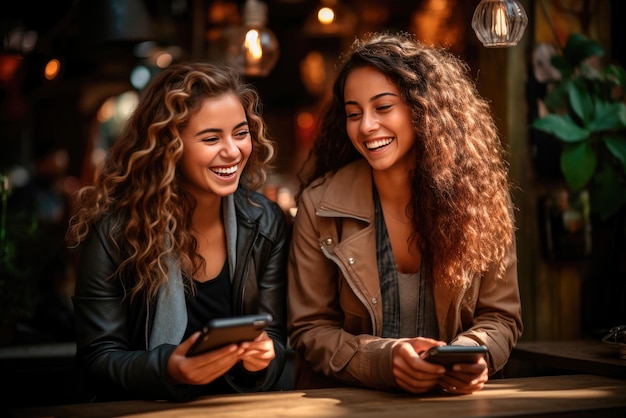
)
(404, 235)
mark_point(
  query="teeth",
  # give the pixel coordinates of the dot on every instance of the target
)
(224, 171)
(378, 143)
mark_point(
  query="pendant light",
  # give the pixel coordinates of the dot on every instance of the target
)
(253, 48)
(499, 23)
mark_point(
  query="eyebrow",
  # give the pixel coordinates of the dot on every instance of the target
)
(217, 130)
(377, 96)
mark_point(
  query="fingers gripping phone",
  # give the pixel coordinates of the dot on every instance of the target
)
(449, 355)
(223, 331)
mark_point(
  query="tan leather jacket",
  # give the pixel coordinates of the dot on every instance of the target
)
(335, 312)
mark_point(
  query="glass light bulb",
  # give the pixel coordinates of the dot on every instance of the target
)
(501, 26)
(253, 48)
(499, 23)
(252, 45)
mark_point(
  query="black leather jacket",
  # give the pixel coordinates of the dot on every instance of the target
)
(113, 332)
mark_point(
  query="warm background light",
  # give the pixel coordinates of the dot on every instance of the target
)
(326, 15)
(52, 69)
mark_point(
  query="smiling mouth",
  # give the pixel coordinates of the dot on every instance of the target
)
(379, 143)
(225, 171)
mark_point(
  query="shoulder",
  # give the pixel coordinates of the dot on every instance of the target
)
(349, 185)
(253, 206)
(104, 228)
(342, 177)
(101, 241)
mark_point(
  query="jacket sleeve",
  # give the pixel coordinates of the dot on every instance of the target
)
(316, 319)
(491, 314)
(113, 358)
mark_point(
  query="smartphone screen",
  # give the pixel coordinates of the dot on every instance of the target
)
(449, 355)
(223, 331)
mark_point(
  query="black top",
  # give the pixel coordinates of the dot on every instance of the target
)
(212, 300)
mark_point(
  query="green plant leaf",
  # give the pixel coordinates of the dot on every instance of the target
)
(622, 114)
(608, 194)
(616, 75)
(578, 164)
(578, 48)
(556, 100)
(562, 66)
(562, 127)
(617, 147)
(588, 116)
(609, 116)
(581, 101)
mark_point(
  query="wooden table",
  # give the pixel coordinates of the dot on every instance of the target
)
(556, 396)
(579, 356)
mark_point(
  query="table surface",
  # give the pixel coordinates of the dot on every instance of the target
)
(556, 396)
(580, 356)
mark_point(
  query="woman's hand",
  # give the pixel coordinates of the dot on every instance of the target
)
(258, 353)
(464, 379)
(411, 372)
(203, 368)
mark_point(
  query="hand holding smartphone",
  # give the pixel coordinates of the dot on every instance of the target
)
(449, 355)
(223, 331)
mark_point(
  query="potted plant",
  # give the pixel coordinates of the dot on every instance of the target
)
(585, 113)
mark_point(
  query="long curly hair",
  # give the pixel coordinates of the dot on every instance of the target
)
(138, 181)
(460, 205)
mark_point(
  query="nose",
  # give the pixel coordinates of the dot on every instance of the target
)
(369, 123)
(229, 148)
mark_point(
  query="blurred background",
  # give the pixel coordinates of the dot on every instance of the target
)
(71, 71)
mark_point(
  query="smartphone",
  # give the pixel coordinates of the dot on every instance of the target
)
(449, 355)
(223, 331)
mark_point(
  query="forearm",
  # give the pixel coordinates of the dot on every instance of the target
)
(497, 320)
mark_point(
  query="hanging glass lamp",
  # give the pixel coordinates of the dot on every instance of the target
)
(253, 49)
(499, 23)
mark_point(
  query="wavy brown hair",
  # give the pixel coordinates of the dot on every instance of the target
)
(138, 181)
(460, 205)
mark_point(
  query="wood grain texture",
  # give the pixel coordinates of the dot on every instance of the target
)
(556, 396)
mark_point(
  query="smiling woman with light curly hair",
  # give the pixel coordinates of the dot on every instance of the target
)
(172, 234)
(404, 235)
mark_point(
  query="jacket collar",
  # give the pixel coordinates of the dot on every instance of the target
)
(230, 227)
(170, 318)
(240, 201)
(349, 193)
